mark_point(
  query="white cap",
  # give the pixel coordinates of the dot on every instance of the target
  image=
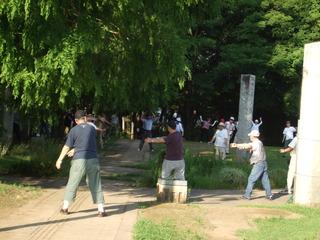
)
(254, 133)
(175, 115)
(231, 118)
(256, 121)
(179, 119)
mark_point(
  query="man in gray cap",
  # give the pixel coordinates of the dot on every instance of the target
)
(82, 138)
(258, 161)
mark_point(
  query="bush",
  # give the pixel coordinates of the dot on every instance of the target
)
(233, 176)
(37, 159)
(278, 177)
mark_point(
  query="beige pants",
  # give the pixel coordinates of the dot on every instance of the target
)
(220, 152)
(291, 172)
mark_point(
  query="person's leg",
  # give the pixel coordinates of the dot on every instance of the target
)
(166, 169)
(223, 153)
(149, 135)
(255, 174)
(291, 173)
(77, 171)
(143, 137)
(179, 170)
(265, 180)
(228, 146)
(94, 182)
(217, 153)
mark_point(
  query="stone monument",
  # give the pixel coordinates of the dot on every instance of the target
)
(246, 102)
(307, 181)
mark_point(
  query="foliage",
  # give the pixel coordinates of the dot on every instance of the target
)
(56, 54)
(304, 227)
(233, 176)
(35, 159)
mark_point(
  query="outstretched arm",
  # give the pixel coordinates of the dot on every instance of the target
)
(286, 150)
(244, 146)
(155, 140)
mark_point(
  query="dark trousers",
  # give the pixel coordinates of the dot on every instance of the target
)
(145, 134)
(204, 135)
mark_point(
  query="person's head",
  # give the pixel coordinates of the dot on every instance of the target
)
(80, 117)
(178, 119)
(194, 112)
(221, 125)
(288, 124)
(256, 121)
(231, 119)
(172, 126)
(254, 134)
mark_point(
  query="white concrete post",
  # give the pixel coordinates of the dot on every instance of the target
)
(246, 102)
(307, 183)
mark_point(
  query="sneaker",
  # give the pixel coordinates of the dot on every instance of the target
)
(271, 197)
(245, 197)
(139, 149)
(64, 211)
(102, 214)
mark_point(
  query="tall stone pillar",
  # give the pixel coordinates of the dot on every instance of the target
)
(307, 183)
(246, 102)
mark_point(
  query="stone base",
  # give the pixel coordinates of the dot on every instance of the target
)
(172, 191)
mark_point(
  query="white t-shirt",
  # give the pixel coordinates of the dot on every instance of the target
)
(221, 137)
(293, 145)
(256, 126)
(258, 152)
(288, 132)
(179, 127)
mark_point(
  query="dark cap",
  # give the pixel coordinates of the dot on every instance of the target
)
(172, 124)
(79, 114)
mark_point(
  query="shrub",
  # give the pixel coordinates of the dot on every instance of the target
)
(278, 177)
(233, 176)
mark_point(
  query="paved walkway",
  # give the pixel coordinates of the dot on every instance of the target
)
(40, 219)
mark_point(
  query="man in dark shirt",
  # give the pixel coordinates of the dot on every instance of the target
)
(174, 153)
(82, 143)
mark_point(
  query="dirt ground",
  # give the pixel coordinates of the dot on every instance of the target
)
(217, 214)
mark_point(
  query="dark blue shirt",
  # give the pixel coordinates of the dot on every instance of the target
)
(83, 139)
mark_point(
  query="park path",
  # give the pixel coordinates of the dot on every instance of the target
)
(40, 218)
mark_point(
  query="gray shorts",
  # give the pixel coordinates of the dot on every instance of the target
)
(175, 169)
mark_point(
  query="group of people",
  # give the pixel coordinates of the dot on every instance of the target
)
(82, 147)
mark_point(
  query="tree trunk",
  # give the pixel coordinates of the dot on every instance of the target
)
(7, 123)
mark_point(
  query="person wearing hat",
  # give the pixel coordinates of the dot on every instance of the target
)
(231, 127)
(147, 124)
(81, 144)
(256, 124)
(258, 161)
(179, 127)
(174, 161)
(220, 140)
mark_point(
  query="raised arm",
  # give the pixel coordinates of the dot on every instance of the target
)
(244, 146)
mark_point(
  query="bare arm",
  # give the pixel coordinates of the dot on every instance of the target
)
(286, 150)
(63, 153)
(241, 146)
(155, 140)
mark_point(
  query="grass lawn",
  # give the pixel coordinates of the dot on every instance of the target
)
(15, 195)
(170, 221)
(307, 227)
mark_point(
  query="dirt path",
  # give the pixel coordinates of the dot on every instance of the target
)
(40, 218)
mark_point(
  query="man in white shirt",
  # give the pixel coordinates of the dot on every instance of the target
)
(256, 124)
(258, 160)
(288, 134)
(293, 162)
(221, 139)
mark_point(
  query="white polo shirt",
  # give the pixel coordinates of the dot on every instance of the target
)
(288, 132)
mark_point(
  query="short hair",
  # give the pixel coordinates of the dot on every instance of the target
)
(172, 124)
(79, 114)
